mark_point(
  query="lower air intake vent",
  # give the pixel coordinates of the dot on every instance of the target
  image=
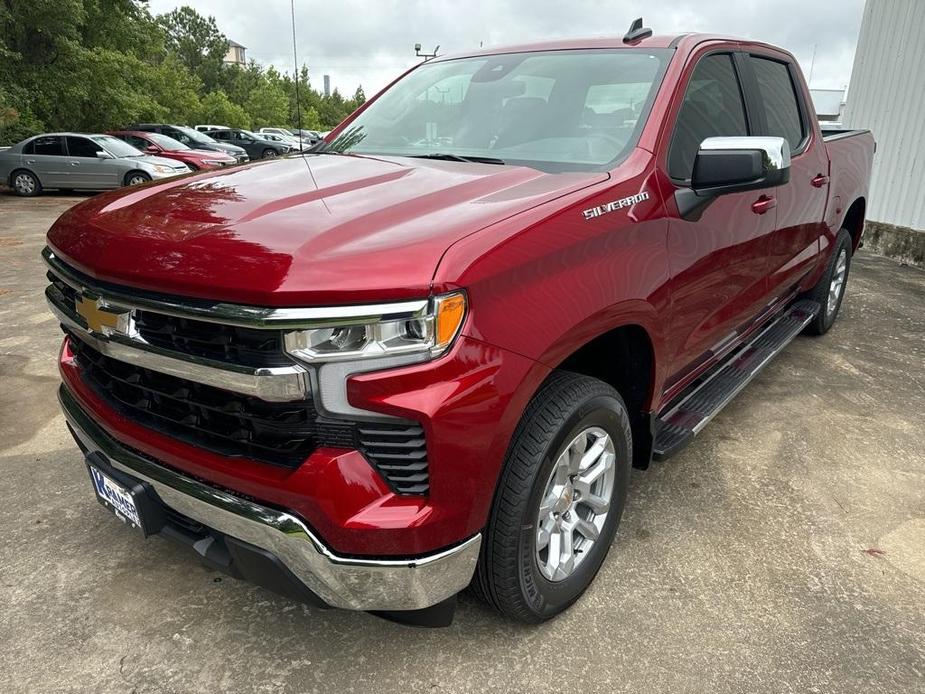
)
(399, 452)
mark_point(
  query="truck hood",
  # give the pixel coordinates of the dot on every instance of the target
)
(313, 230)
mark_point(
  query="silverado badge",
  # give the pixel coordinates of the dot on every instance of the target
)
(615, 205)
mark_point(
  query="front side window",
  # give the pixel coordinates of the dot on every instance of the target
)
(47, 146)
(712, 107)
(779, 100)
(82, 147)
(553, 110)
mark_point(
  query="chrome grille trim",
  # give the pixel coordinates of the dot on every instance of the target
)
(273, 384)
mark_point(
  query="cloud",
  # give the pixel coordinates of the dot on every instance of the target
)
(370, 42)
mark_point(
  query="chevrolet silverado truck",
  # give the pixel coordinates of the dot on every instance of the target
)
(426, 355)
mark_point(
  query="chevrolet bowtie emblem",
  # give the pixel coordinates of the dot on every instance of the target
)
(99, 319)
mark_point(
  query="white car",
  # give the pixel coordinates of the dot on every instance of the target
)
(203, 128)
(291, 141)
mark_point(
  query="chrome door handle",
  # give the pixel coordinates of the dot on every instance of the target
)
(30, 161)
(74, 163)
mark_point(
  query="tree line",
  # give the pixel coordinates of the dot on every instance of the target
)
(95, 65)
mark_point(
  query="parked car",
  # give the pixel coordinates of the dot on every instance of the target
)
(203, 128)
(167, 147)
(79, 161)
(255, 146)
(192, 138)
(310, 136)
(380, 378)
(277, 131)
(293, 143)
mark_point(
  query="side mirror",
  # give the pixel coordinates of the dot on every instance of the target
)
(733, 165)
(152, 149)
(102, 154)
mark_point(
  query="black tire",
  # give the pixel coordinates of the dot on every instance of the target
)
(508, 575)
(268, 153)
(136, 178)
(25, 183)
(820, 293)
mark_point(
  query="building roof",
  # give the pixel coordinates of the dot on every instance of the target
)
(235, 44)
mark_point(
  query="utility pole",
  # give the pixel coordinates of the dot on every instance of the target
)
(812, 66)
(295, 60)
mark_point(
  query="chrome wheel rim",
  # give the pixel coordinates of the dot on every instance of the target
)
(24, 183)
(269, 154)
(137, 180)
(575, 503)
(838, 281)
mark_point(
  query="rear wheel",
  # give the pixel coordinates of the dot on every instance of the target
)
(830, 289)
(25, 183)
(559, 499)
(135, 178)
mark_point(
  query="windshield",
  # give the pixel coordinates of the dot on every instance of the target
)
(195, 135)
(165, 142)
(554, 110)
(116, 147)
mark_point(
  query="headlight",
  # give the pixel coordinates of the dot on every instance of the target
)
(214, 162)
(425, 331)
(159, 168)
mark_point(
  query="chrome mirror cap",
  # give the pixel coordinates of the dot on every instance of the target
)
(775, 150)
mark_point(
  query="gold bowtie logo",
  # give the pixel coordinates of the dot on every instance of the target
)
(97, 318)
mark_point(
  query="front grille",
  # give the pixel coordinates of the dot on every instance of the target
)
(280, 433)
(228, 343)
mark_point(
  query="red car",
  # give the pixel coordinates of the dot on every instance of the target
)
(428, 353)
(163, 146)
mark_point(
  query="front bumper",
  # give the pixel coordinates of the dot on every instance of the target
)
(394, 584)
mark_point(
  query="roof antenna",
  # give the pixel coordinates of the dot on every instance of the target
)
(637, 32)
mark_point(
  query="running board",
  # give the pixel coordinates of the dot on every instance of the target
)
(681, 422)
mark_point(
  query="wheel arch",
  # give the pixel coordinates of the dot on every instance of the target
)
(624, 358)
(853, 221)
(17, 169)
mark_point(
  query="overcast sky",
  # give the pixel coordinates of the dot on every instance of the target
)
(369, 42)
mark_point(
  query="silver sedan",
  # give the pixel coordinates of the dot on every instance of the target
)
(70, 161)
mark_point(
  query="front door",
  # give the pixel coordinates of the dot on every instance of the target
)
(718, 258)
(88, 170)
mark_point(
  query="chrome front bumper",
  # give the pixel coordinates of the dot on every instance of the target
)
(345, 582)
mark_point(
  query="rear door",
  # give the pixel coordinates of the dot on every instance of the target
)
(783, 112)
(718, 257)
(88, 170)
(47, 157)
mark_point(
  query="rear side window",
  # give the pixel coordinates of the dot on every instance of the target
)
(82, 147)
(712, 107)
(219, 134)
(779, 100)
(49, 146)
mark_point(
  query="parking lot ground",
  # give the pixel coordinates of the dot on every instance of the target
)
(783, 551)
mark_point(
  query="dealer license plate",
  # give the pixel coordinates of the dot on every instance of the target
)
(115, 497)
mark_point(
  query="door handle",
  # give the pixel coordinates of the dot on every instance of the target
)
(30, 161)
(763, 204)
(819, 180)
(74, 163)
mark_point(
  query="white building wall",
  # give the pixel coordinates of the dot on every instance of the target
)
(887, 95)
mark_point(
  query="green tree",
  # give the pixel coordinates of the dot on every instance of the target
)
(217, 109)
(267, 105)
(197, 42)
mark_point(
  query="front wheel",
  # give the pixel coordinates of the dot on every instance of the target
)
(136, 178)
(559, 499)
(268, 154)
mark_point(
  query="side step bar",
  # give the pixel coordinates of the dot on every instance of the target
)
(675, 428)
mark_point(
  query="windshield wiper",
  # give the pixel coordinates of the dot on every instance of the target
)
(446, 156)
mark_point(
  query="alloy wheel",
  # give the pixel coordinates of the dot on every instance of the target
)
(838, 281)
(575, 504)
(24, 184)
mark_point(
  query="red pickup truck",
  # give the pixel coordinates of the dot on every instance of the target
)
(427, 354)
